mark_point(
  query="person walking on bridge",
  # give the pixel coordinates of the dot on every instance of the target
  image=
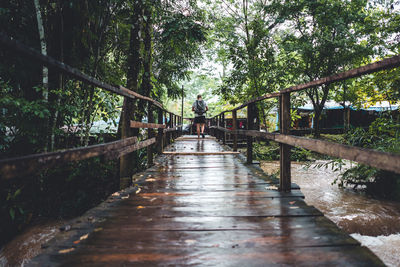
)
(200, 108)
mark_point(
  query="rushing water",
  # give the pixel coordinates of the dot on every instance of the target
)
(374, 223)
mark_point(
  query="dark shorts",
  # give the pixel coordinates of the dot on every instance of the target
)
(201, 119)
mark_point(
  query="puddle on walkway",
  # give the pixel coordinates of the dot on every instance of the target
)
(374, 223)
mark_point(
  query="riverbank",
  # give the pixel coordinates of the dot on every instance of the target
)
(28, 244)
(374, 223)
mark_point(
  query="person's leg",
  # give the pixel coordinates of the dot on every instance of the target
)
(198, 129)
(202, 127)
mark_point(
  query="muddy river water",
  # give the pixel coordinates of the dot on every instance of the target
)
(374, 223)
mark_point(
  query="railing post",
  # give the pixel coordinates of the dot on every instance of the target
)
(178, 118)
(221, 124)
(223, 132)
(218, 125)
(160, 134)
(126, 162)
(150, 134)
(234, 127)
(284, 128)
(181, 124)
(212, 130)
(171, 125)
(250, 126)
(175, 124)
(165, 135)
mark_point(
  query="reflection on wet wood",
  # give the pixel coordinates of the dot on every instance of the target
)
(205, 210)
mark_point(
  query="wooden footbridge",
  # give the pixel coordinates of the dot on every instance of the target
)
(198, 203)
(207, 210)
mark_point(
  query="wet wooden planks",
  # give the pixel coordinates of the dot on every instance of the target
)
(207, 210)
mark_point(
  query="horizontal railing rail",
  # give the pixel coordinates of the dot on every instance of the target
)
(20, 166)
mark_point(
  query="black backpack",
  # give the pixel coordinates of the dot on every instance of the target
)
(200, 108)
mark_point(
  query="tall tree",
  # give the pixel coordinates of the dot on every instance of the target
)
(243, 35)
(325, 37)
(127, 162)
(43, 47)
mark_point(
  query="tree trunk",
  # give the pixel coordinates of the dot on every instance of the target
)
(147, 58)
(43, 47)
(145, 86)
(61, 78)
(127, 162)
(317, 130)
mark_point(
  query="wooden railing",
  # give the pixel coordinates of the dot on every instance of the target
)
(30, 164)
(374, 158)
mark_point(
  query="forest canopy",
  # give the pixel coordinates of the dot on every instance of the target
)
(252, 47)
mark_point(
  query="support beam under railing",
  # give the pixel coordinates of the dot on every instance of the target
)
(284, 128)
(250, 126)
(234, 127)
(150, 134)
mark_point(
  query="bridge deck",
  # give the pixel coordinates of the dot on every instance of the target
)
(209, 210)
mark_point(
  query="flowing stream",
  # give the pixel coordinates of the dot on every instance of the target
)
(374, 223)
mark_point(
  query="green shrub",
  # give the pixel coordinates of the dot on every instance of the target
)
(382, 135)
(270, 151)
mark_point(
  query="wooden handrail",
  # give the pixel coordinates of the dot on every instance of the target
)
(374, 158)
(138, 124)
(19, 166)
(382, 160)
(131, 148)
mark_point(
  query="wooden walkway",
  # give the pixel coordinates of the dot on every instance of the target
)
(204, 210)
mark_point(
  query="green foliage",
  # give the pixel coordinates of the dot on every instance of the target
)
(383, 135)
(294, 116)
(270, 151)
(177, 41)
(242, 38)
(22, 122)
(64, 192)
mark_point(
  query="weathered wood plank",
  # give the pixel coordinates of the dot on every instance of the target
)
(129, 149)
(382, 160)
(384, 64)
(193, 218)
(231, 253)
(284, 149)
(160, 133)
(234, 127)
(169, 130)
(251, 115)
(20, 166)
(138, 124)
(378, 159)
(255, 133)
